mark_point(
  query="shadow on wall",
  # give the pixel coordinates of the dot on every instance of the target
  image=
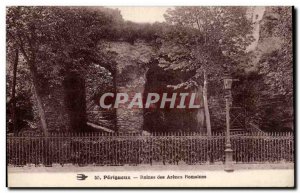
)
(74, 99)
(166, 119)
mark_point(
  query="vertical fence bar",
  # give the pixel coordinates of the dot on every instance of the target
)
(131, 148)
(19, 151)
(22, 151)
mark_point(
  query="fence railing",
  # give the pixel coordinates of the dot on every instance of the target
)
(157, 148)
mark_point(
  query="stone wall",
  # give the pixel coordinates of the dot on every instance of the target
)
(132, 63)
(54, 105)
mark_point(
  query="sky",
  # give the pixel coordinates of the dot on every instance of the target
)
(143, 14)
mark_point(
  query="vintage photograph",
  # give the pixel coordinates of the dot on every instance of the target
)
(183, 96)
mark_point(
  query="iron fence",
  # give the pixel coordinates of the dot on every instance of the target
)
(157, 148)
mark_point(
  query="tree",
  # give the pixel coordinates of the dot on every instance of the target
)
(204, 41)
(13, 92)
(19, 104)
(56, 40)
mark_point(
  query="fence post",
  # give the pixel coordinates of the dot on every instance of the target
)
(46, 149)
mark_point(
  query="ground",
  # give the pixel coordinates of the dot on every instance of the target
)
(91, 168)
(244, 175)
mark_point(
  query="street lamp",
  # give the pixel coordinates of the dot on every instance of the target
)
(228, 98)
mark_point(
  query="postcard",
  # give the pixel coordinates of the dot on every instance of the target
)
(190, 96)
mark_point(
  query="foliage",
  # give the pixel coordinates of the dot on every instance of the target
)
(54, 41)
(215, 39)
(205, 38)
(24, 112)
(277, 66)
(276, 71)
(58, 43)
(131, 32)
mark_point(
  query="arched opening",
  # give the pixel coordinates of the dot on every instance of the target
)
(167, 119)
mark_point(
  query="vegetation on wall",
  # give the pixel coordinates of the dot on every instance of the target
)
(195, 45)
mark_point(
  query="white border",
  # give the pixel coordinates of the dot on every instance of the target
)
(152, 2)
(5, 3)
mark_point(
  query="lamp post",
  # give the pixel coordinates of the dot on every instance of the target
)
(228, 98)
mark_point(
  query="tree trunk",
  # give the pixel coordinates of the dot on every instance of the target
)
(46, 153)
(34, 75)
(13, 92)
(200, 115)
(205, 102)
(38, 99)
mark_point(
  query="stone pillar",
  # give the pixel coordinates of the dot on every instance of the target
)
(130, 78)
